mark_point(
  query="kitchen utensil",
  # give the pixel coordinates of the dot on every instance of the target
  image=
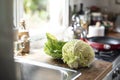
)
(103, 43)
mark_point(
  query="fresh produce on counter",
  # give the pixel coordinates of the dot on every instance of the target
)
(75, 53)
(53, 46)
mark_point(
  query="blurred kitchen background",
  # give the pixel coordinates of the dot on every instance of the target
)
(58, 17)
(67, 18)
(91, 13)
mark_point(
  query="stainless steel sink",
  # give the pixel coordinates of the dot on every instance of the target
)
(34, 70)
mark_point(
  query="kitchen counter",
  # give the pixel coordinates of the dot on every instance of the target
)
(97, 70)
(113, 34)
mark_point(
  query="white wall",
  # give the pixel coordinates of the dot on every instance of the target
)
(114, 7)
(110, 5)
(85, 2)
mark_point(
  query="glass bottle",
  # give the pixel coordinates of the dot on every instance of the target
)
(74, 9)
(23, 36)
(81, 11)
(83, 17)
(74, 13)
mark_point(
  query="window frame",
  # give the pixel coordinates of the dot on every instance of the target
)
(18, 12)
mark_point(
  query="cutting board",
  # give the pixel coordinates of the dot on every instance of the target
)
(97, 70)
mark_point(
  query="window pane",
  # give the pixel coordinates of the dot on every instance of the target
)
(44, 15)
(41, 16)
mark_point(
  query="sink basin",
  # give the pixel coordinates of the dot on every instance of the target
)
(33, 70)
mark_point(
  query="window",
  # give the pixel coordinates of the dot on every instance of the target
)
(41, 16)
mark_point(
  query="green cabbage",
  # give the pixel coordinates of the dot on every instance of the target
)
(77, 53)
(53, 47)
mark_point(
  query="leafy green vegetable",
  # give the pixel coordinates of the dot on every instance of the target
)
(53, 47)
(77, 53)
